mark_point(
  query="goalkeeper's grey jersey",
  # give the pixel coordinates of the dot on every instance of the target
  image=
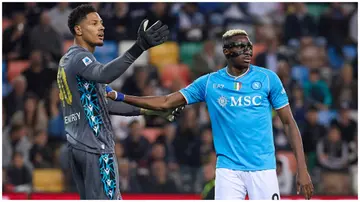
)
(81, 80)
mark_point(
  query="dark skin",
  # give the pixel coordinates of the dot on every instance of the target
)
(236, 67)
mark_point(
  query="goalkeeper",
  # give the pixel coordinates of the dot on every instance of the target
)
(82, 84)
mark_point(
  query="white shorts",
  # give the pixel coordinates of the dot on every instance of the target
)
(234, 185)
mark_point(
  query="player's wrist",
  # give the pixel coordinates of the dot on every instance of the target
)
(136, 50)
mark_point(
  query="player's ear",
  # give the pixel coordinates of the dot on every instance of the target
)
(78, 30)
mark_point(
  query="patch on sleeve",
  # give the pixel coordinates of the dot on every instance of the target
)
(86, 60)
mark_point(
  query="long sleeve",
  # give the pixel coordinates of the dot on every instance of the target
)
(90, 69)
(122, 109)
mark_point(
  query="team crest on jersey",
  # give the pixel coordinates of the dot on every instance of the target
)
(256, 85)
(86, 60)
(222, 101)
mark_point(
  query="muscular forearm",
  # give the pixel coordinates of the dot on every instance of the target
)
(295, 140)
(150, 102)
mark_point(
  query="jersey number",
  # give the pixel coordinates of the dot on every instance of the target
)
(65, 93)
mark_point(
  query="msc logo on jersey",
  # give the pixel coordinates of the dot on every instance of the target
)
(86, 60)
(256, 85)
(246, 101)
(241, 101)
(222, 101)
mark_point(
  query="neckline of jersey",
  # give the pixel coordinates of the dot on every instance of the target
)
(237, 77)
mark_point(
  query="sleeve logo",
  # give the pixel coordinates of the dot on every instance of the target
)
(86, 60)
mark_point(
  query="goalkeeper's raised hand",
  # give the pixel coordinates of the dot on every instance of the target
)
(155, 35)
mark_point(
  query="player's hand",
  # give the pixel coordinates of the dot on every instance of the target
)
(169, 115)
(304, 184)
(116, 96)
(153, 36)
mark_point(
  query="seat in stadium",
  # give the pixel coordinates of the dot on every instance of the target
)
(67, 44)
(172, 72)
(151, 134)
(15, 68)
(48, 180)
(164, 54)
(188, 50)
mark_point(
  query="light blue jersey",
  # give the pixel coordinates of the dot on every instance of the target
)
(240, 112)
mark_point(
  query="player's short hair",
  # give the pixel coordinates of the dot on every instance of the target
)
(233, 32)
(78, 14)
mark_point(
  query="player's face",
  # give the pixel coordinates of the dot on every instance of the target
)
(92, 29)
(243, 60)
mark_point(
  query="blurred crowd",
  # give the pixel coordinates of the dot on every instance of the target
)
(311, 46)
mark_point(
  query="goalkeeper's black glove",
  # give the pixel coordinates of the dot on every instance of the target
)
(153, 36)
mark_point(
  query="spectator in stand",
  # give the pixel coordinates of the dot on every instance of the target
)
(190, 23)
(39, 78)
(299, 106)
(207, 60)
(59, 18)
(161, 11)
(344, 122)
(207, 146)
(299, 23)
(309, 58)
(34, 116)
(118, 24)
(44, 37)
(128, 181)
(187, 148)
(332, 152)
(137, 82)
(157, 153)
(16, 38)
(285, 177)
(15, 100)
(159, 180)
(18, 174)
(317, 91)
(353, 161)
(345, 88)
(167, 139)
(40, 153)
(283, 71)
(32, 13)
(136, 146)
(55, 128)
(312, 133)
(332, 155)
(334, 24)
(270, 58)
(16, 141)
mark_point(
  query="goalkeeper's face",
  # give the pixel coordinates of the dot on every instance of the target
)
(92, 29)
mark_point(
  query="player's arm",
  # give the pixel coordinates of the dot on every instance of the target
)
(95, 71)
(124, 109)
(280, 102)
(194, 93)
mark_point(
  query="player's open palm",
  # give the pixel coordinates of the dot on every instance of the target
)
(304, 184)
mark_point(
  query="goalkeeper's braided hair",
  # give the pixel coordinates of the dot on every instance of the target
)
(78, 14)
